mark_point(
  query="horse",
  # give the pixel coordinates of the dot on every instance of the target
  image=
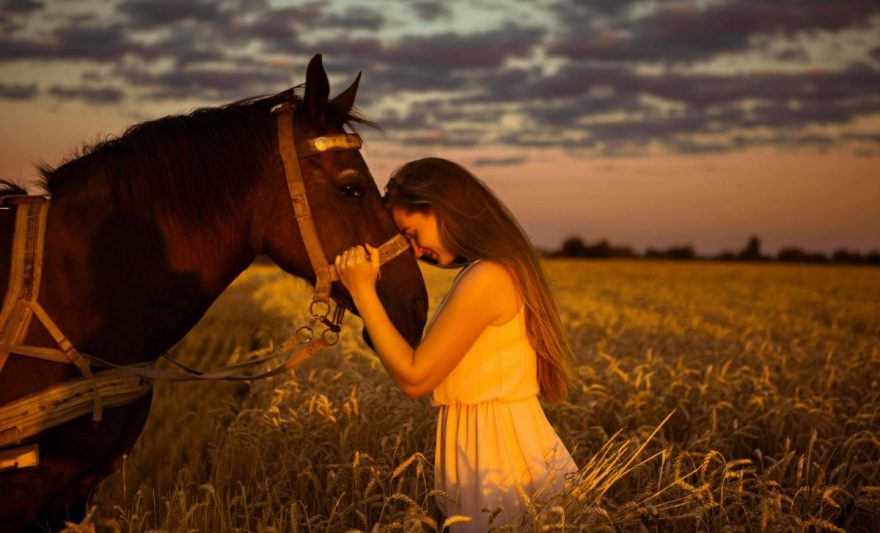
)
(147, 229)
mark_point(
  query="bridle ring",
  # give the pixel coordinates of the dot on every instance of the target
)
(319, 315)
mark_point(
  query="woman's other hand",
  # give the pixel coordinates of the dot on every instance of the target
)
(358, 268)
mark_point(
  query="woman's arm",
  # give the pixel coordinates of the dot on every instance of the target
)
(480, 297)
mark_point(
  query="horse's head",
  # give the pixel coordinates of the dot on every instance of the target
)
(345, 204)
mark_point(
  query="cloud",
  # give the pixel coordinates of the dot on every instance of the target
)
(682, 32)
(357, 17)
(606, 74)
(20, 6)
(488, 49)
(431, 10)
(150, 14)
(212, 83)
(499, 161)
(93, 95)
(74, 41)
(18, 91)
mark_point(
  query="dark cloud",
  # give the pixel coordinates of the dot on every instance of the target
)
(818, 86)
(663, 128)
(708, 105)
(499, 161)
(357, 52)
(457, 88)
(683, 32)
(186, 48)
(689, 146)
(18, 91)
(582, 15)
(395, 121)
(74, 41)
(784, 140)
(436, 114)
(92, 95)
(444, 138)
(278, 28)
(94, 42)
(571, 80)
(208, 83)
(386, 79)
(487, 49)
(569, 113)
(540, 139)
(862, 137)
(20, 6)
(356, 18)
(150, 14)
(431, 10)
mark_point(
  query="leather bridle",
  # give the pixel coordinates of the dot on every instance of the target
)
(325, 272)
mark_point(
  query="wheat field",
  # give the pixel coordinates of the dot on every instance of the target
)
(708, 397)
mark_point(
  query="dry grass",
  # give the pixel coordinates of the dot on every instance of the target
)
(769, 372)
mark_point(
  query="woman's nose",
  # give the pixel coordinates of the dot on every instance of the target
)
(416, 249)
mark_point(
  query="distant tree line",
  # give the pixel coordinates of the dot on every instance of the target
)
(576, 247)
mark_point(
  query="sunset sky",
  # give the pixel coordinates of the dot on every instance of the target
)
(649, 123)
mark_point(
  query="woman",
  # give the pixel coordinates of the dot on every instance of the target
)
(493, 344)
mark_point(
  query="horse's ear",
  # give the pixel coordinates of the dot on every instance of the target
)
(344, 101)
(317, 89)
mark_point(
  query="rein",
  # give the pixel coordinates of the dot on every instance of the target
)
(123, 384)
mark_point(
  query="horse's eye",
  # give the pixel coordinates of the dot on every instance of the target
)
(351, 190)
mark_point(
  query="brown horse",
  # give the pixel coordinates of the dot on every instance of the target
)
(146, 230)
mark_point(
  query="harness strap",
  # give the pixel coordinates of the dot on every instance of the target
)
(37, 352)
(62, 402)
(230, 372)
(296, 188)
(25, 270)
(70, 352)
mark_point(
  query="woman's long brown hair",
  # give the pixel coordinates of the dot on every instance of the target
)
(475, 224)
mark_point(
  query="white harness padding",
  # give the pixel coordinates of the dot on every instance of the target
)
(25, 270)
(28, 416)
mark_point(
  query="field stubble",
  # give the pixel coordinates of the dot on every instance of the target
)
(767, 377)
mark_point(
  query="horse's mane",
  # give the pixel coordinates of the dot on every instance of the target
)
(8, 188)
(194, 166)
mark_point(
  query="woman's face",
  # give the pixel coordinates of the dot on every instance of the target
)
(423, 234)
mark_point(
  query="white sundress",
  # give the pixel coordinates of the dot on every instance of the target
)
(492, 434)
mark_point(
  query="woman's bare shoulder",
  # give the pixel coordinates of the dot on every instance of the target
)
(494, 282)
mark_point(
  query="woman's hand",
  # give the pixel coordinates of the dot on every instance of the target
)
(357, 270)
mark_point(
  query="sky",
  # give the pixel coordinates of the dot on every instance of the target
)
(647, 123)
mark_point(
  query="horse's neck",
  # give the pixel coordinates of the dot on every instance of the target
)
(126, 286)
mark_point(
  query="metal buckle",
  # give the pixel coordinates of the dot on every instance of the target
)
(331, 143)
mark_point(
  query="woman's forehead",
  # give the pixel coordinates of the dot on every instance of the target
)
(404, 217)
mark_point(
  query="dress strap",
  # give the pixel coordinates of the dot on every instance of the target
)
(446, 296)
(463, 270)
